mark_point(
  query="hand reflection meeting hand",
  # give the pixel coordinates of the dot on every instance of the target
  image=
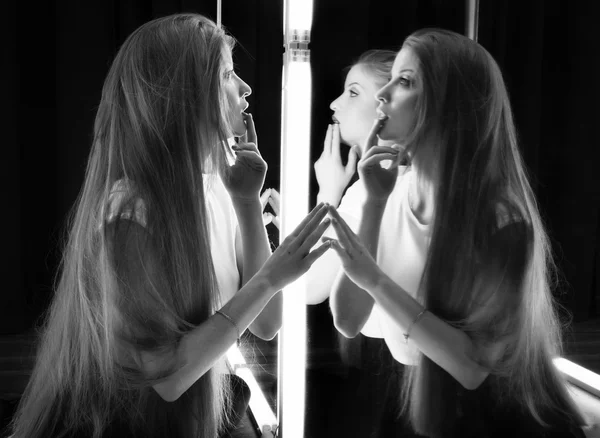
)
(270, 196)
(379, 181)
(247, 174)
(332, 175)
(293, 256)
(357, 262)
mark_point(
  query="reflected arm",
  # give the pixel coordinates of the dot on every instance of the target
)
(351, 305)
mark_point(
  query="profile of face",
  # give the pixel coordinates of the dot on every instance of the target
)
(236, 91)
(398, 98)
(356, 107)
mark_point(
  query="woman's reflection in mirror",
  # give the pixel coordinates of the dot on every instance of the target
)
(448, 258)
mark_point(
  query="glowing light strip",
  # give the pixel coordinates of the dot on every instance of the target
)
(295, 161)
(472, 21)
(219, 8)
(258, 403)
(579, 376)
(295, 177)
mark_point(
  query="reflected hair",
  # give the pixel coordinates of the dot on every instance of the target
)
(161, 125)
(463, 113)
(377, 62)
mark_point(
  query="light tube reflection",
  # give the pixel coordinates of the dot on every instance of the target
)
(258, 403)
(579, 376)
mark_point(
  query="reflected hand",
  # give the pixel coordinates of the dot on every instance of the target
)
(332, 175)
(270, 196)
(357, 261)
(379, 181)
(247, 175)
(293, 256)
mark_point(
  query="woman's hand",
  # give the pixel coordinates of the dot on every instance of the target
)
(247, 174)
(293, 257)
(270, 196)
(332, 175)
(359, 265)
(379, 181)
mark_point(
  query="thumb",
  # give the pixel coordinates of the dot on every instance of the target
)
(352, 159)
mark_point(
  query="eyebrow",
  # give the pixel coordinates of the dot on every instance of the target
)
(353, 83)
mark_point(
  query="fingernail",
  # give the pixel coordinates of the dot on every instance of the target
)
(327, 220)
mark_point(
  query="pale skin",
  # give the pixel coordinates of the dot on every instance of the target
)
(252, 243)
(447, 346)
(352, 111)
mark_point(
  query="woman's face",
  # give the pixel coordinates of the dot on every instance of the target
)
(356, 107)
(236, 91)
(398, 98)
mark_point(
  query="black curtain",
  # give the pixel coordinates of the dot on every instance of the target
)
(56, 56)
(548, 53)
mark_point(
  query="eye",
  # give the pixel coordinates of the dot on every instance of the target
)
(228, 74)
(405, 81)
(352, 93)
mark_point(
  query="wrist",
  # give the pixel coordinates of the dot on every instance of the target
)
(377, 282)
(265, 283)
(243, 201)
(331, 197)
(375, 203)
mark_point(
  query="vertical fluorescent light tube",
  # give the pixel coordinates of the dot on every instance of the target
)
(472, 21)
(295, 172)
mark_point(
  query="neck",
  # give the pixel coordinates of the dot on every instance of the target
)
(421, 193)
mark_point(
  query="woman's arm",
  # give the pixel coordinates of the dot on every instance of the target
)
(351, 305)
(244, 183)
(447, 346)
(252, 250)
(200, 348)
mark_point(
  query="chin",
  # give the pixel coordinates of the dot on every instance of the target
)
(387, 136)
(238, 128)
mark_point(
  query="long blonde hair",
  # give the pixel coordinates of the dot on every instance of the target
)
(465, 107)
(161, 123)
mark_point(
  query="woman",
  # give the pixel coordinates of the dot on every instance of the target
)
(472, 308)
(138, 324)
(353, 111)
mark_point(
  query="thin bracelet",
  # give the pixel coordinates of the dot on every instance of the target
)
(407, 334)
(230, 319)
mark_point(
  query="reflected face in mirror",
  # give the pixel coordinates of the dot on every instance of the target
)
(236, 91)
(398, 98)
(355, 108)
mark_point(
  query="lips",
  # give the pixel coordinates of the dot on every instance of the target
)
(381, 115)
(335, 120)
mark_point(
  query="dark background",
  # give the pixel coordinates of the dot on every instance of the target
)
(56, 55)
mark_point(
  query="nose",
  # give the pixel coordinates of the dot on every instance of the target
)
(245, 89)
(334, 105)
(382, 95)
